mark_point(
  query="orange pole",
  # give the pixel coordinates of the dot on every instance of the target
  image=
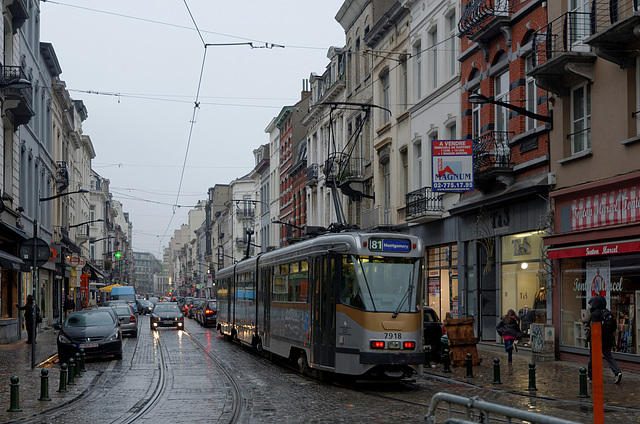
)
(596, 369)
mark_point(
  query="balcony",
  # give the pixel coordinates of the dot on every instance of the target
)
(613, 30)
(17, 101)
(561, 57)
(352, 178)
(62, 175)
(246, 212)
(482, 19)
(423, 204)
(313, 172)
(376, 217)
(19, 12)
(492, 160)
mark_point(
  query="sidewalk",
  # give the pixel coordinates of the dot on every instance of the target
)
(15, 360)
(554, 380)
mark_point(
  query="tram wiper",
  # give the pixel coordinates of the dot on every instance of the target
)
(406, 296)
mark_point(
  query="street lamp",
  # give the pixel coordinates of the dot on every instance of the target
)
(88, 222)
(44, 199)
(100, 239)
(481, 99)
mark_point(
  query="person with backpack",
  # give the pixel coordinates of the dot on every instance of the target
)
(509, 329)
(600, 313)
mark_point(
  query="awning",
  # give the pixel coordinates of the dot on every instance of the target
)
(595, 249)
(108, 288)
(12, 262)
(12, 232)
(95, 272)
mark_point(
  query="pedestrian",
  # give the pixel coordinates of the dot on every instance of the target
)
(28, 318)
(509, 329)
(600, 313)
(69, 305)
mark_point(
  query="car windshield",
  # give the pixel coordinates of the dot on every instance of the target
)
(122, 310)
(382, 284)
(92, 319)
(160, 307)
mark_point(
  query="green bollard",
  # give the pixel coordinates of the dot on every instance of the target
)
(496, 371)
(532, 377)
(71, 381)
(469, 364)
(446, 360)
(82, 361)
(63, 378)
(427, 355)
(14, 400)
(77, 361)
(583, 383)
(44, 385)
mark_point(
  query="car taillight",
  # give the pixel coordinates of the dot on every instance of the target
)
(209, 312)
(377, 344)
(409, 345)
(132, 318)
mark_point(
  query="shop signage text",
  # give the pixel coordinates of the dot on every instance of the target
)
(595, 250)
(610, 208)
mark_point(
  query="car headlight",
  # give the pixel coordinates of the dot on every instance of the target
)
(64, 339)
(113, 336)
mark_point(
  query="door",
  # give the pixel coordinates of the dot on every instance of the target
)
(324, 311)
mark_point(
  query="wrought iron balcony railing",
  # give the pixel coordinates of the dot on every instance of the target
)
(605, 13)
(562, 35)
(478, 12)
(423, 201)
(313, 171)
(491, 150)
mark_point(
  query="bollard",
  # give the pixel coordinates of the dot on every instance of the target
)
(82, 361)
(14, 400)
(71, 380)
(77, 361)
(583, 383)
(532, 377)
(63, 378)
(469, 363)
(446, 360)
(427, 355)
(44, 385)
(496, 371)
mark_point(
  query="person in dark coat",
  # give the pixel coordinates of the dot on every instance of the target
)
(69, 305)
(28, 318)
(509, 329)
(598, 306)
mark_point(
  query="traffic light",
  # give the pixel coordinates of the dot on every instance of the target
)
(118, 255)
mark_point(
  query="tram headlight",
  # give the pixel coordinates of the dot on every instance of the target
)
(395, 344)
(376, 344)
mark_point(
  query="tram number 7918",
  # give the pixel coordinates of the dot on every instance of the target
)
(392, 335)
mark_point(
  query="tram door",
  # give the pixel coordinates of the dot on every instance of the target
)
(324, 311)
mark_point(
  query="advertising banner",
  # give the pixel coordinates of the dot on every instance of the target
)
(452, 167)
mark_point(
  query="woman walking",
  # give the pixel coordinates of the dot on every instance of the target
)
(28, 318)
(509, 329)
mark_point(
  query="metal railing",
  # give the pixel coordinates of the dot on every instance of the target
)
(313, 171)
(421, 201)
(605, 13)
(478, 11)
(563, 34)
(485, 410)
(491, 150)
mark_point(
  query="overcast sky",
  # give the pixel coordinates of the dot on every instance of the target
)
(140, 65)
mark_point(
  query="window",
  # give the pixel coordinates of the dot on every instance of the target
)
(532, 92)
(580, 118)
(502, 95)
(357, 67)
(475, 118)
(417, 52)
(386, 176)
(451, 44)
(579, 27)
(453, 132)
(403, 85)
(418, 154)
(384, 83)
(433, 57)
(291, 282)
(404, 158)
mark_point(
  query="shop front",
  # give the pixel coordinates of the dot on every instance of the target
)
(596, 251)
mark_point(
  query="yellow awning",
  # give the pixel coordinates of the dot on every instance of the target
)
(108, 288)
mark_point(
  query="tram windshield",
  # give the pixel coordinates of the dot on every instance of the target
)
(380, 284)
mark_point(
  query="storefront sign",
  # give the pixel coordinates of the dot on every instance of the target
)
(452, 165)
(595, 250)
(611, 208)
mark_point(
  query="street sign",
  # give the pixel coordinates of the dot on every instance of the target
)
(42, 251)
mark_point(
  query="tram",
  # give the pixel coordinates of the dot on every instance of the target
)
(344, 303)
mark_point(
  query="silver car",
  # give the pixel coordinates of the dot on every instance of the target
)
(128, 319)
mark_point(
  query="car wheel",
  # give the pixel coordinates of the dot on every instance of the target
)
(134, 334)
(118, 356)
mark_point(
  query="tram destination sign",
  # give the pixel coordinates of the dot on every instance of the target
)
(389, 245)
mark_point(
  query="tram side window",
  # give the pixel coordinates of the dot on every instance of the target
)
(291, 282)
(245, 286)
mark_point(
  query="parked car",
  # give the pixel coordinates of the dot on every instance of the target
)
(194, 306)
(188, 301)
(97, 331)
(145, 306)
(207, 313)
(128, 320)
(433, 330)
(124, 293)
(166, 314)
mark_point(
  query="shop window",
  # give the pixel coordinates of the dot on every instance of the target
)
(442, 280)
(524, 279)
(617, 278)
